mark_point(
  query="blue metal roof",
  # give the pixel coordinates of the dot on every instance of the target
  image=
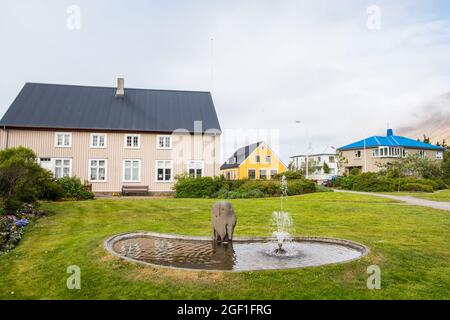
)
(390, 140)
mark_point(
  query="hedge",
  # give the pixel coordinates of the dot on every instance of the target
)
(375, 182)
(218, 187)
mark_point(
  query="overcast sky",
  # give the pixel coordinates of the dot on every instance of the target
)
(344, 69)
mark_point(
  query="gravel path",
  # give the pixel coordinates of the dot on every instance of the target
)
(407, 199)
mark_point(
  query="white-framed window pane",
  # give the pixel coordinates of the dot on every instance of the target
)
(101, 141)
(59, 139)
(58, 172)
(101, 174)
(93, 174)
(167, 142)
(127, 174)
(135, 173)
(67, 139)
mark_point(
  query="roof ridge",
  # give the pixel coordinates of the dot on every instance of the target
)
(109, 87)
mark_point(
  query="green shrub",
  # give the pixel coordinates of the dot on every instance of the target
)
(417, 187)
(380, 182)
(21, 178)
(199, 187)
(73, 188)
(207, 187)
(301, 186)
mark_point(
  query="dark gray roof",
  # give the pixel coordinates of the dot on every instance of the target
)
(83, 107)
(239, 156)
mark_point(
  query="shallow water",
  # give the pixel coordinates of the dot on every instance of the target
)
(238, 256)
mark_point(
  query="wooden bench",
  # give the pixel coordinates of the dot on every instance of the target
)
(135, 190)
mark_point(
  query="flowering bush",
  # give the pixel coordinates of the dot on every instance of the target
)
(12, 226)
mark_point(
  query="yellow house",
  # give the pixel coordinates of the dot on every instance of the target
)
(255, 161)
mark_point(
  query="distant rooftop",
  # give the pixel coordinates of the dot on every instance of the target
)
(390, 140)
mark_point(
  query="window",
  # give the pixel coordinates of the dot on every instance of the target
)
(332, 171)
(439, 155)
(422, 154)
(273, 173)
(358, 154)
(133, 141)
(63, 139)
(97, 170)
(164, 142)
(375, 153)
(195, 168)
(268, 159)
(332, 159)
(257, 159)
(98, 140)
(164, 170)
(405, 153)
(319, 159)
(263, 174)
(63, 168)
(252, 174)
(131, 170)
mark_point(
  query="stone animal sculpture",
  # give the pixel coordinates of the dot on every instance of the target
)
(223, 221)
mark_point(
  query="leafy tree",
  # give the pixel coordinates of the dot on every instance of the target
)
(21, 178)
(413, 166)
(326, 168)
(446, 166)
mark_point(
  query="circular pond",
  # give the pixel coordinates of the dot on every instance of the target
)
(199, 253)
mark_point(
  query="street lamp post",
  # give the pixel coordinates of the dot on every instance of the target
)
(307, 150)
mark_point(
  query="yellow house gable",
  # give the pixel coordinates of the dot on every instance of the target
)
(263, 162)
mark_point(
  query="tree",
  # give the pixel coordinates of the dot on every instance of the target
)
(413, 166)
(326, 168)
(446, 166)
(21, 178)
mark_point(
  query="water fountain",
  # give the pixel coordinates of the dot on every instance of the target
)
(222, 252)
(282, 220)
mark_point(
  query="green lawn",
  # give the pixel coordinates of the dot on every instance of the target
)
(443, 195)
(409, 243)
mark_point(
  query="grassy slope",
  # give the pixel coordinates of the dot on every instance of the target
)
(443, 195)
(411, 245)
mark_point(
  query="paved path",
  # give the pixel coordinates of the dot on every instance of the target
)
(407, 199)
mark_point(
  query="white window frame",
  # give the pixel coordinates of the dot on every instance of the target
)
(62, 167)
(164, 173)
(98, 167)
(139, 172)
(158, 137)
(439, 155)
(105, 138)
(248, 174)
(270, 159)
(422, 154)
(201, 167)
(64, 134)
(132, 135)
(360, 154)
(271, 171)
(265, 174)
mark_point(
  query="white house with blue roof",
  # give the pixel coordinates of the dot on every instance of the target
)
(368, 154)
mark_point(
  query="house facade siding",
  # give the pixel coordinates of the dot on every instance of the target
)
(185, 148)
(368, 163)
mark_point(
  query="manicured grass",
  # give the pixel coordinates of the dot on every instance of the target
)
(409, 243)
(443, 195)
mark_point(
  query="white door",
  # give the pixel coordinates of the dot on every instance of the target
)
(47, 164)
